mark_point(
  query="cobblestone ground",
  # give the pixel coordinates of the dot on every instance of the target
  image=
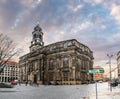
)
(59, 92)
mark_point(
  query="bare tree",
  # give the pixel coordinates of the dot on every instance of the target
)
(7, 50)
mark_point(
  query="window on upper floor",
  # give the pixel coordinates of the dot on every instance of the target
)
(65, 45)
(58, 63)
(51, 64)
(65, 62)
(73, 61)
(51, 48)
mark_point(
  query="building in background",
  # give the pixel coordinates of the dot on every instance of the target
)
(10, 72)
(64, 62)
(98, 76)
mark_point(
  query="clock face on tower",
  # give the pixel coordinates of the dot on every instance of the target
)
(38, 40)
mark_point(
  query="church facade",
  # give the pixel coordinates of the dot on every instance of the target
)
(63, 62)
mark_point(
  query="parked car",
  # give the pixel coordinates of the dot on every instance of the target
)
(5, 85)
(100, 81)
(114, 83)
(13, 82)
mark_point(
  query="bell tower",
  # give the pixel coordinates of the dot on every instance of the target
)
(37, 40)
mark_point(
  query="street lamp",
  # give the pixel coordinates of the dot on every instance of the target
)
(110, 56)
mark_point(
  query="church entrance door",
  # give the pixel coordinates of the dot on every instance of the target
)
(35, 78)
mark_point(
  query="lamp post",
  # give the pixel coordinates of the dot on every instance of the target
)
(110, 56)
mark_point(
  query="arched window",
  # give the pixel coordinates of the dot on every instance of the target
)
(40, 36)
(34, 36)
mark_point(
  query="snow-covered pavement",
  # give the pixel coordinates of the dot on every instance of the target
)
(60, 92)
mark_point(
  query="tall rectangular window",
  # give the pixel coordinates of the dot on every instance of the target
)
(65, 45)
(65, 74)
(65, 62)
(51, 64)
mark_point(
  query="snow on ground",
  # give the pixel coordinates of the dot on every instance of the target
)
(55, 92)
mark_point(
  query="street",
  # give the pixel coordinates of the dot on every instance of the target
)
(59, 92)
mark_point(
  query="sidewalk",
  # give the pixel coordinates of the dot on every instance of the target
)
(115, 94)
(14, 89)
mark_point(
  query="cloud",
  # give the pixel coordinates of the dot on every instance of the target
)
(89, 22)
(85, 25)
(115, 12)
(23, 48)
(103, 27)
(106, 3)
(98, 1)
(113, 6)
(94, 2)
(116, 36)
(27, 3)
(9, 11)
(30, 6)
(76, 8)
(30, 3)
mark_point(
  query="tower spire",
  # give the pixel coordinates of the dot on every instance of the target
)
(37, 40)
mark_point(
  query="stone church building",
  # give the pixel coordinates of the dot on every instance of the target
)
(63, 62)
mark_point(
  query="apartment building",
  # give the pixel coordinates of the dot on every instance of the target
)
(10, 72)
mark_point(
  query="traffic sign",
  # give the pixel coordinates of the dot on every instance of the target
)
(96, 71)
(101, 71)
(93, 71)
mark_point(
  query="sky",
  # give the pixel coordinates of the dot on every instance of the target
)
(95, 23)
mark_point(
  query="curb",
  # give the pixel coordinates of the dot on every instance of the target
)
(8, 90)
